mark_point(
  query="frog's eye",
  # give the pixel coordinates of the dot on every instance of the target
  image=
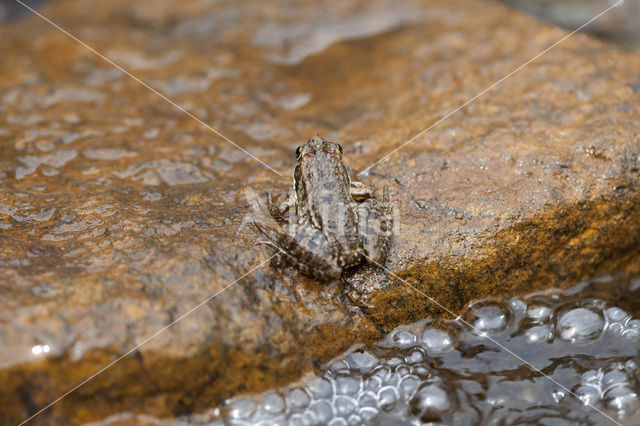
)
(298, 152)
(339, 148)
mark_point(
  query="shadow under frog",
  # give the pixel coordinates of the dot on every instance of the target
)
(332, 223)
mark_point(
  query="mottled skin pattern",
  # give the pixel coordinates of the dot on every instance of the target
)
(330, 230)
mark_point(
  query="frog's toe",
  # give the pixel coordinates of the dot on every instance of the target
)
(323, 270)
(326, 273)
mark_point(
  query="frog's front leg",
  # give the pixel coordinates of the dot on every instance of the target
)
(281, 206)
(375, 227)
(304, 247)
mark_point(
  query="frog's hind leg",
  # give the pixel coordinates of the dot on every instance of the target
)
(304, 247)
(375, 227)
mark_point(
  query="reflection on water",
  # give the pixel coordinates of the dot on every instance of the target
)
(586, 339)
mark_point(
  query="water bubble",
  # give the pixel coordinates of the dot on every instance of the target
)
(368, 413)
(382, 372)
(338, 367)
(538, 312)
(298, 419)
(344, 405)
(616, 314)
(408, 386)
(373, 384)
(632, 330)
(338, 421)
(420, 371)
(415, 356)
(320, 387)
(394, 378)
(400, 371)
(242, 409)
(430, 403)
(630, 366)
(368, 398)
(437, 340)
(588, 394)
(539, 333)
(347, 385)
(322, 410)
(387, 397)
(616, 329)
(401, 338)
(354, 420)
(488, 317)
(273, 403)
(297, 399)
(621, 397)
(591, 376)
(362, 361)
(394, 361)
(517, 305)
(614, 378)
(580, 325)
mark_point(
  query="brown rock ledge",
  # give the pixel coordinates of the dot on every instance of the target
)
(118, 213)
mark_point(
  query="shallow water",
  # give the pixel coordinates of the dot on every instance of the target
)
(585, 340)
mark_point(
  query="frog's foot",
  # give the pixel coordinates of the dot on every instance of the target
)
(304, 247)
(361, 191)
(279, 207)
(278, 259)
(375, 226)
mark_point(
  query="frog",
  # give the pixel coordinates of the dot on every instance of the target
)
(333, 222)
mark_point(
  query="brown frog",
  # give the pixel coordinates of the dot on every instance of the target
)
(336, 223)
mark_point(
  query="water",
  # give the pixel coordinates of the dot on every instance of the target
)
(454, 371)
(449, 372)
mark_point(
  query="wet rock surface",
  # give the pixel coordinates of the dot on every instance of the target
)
(119, 213)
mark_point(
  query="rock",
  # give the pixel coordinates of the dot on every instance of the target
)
(119, 214)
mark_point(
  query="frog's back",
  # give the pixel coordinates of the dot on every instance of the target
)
(324, 199)
(326, 187)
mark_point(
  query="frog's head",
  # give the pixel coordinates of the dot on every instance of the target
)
(317, 145)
